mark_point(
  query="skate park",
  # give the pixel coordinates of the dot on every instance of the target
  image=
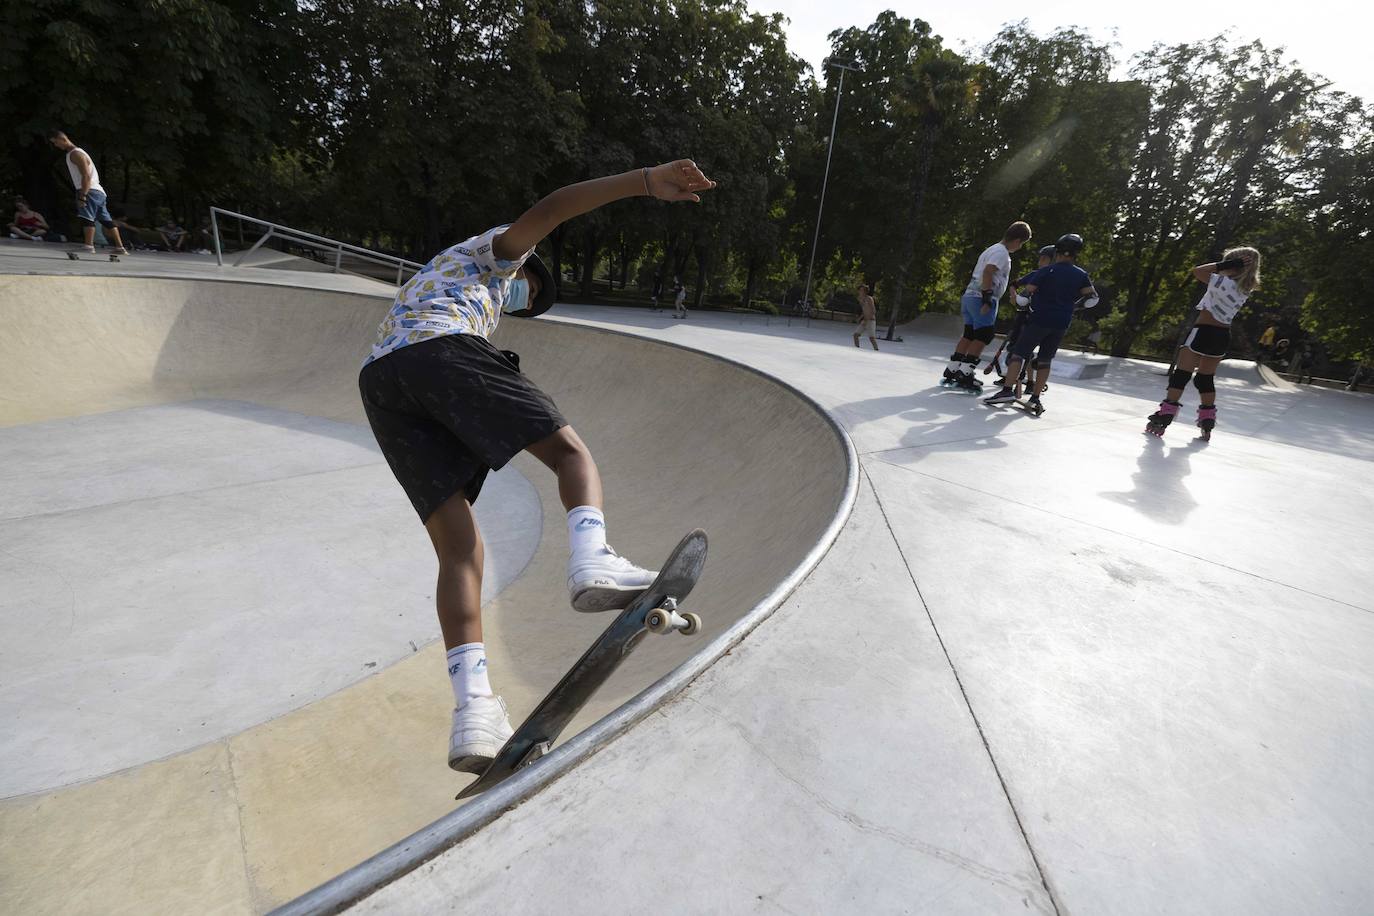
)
(955, 656)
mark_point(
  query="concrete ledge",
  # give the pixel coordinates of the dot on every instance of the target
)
(1079, 367)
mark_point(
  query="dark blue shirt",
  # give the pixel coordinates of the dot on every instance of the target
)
(1056, 291)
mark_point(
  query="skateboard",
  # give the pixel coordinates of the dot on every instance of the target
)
(75, 256)
(654, 611)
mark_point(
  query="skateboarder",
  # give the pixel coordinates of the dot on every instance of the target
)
(979, 304)
(1056, 292)
(90, 196)
(446, 407)
(868, 317)
(1230, 282)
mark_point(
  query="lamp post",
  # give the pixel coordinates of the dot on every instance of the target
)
(829, 151)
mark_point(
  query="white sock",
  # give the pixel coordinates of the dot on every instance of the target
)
(467, 669)
(586, 530)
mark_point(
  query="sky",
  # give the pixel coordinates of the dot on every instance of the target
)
(1325, 37)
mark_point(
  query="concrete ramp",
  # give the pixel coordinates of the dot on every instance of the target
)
(199, 498)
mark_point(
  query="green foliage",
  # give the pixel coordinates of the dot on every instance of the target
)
(409, 125)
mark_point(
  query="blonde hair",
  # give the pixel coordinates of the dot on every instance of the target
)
(1249, 277)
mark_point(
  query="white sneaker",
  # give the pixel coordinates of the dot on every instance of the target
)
(480, 728)
(604, 581)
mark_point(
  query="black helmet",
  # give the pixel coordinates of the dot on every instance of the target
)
(1069, 244)
(1047, 252)
(544, 301)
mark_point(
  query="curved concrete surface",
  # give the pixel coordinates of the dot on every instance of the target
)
(195, 517)
(1050, 665)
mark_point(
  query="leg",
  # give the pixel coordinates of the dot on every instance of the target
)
(1205, 381)
(458, 593)
(1187, 362)
(564, 453)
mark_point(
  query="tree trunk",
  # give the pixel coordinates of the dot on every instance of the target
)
(913, 222)
(702, 256)
(624, 265)
(749, 278)
(588, 262)
(431, 209)
(556, 261)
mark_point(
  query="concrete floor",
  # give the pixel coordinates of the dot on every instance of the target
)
(1050, 664)
(219, 654)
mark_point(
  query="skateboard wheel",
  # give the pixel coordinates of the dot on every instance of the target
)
(658, 621)
(693, 625)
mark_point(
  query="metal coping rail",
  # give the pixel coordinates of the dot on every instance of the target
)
(310, 239)
(431, 841)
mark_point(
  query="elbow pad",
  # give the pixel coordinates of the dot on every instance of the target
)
(1089, 301)
(1022, 301)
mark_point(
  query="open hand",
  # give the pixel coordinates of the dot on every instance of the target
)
(678, 180)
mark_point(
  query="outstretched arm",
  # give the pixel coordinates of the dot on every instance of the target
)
(679, 180)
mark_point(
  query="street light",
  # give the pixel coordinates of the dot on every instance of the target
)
(815, 239)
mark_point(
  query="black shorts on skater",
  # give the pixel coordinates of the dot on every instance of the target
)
(1208, 340)
(448, 410)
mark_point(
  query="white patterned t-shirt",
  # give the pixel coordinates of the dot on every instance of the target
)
(462, 290)
(1223, 298)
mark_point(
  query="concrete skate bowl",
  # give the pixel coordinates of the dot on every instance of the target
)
(248, 817)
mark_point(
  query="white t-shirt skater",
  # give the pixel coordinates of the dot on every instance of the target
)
(462, 290)
(1223, 299)
(999, 256)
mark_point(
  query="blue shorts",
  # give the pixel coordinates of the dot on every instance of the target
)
(93, 210)
(1033, 335)
(972, 305)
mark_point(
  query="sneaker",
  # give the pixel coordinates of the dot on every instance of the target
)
(118, 251)
(1005, 396)
(480, 729)
(605, 581)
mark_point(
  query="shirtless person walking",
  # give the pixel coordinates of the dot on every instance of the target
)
(868, 317)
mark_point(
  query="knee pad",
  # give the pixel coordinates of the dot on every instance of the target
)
(985, 334)
(1207, 384)
(969, 332)
(1179, 377)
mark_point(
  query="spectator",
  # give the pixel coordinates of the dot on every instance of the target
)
(127, 230)
(28, 224)
(679, 298)
(173, 236)
(1266, 342)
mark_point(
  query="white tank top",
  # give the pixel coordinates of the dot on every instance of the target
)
(75, 171)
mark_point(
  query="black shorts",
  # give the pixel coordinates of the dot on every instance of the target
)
(1034, 335)
(448, 410)
(1208, 340)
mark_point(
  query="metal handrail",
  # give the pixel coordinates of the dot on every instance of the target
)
(309, 239)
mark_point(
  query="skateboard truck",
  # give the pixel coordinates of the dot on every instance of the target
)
(665, 619)
(537, 750)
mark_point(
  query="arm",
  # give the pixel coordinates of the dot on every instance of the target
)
(679, 180)
(989, 272)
